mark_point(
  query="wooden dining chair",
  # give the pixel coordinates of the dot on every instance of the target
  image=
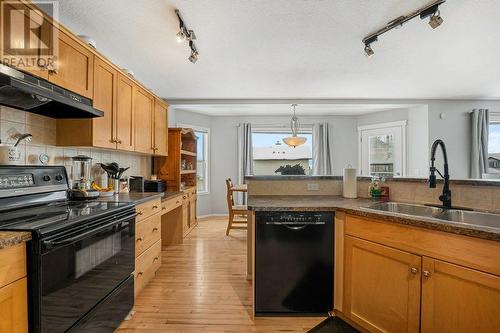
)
(238, 214)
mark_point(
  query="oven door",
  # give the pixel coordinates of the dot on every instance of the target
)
(80, 268)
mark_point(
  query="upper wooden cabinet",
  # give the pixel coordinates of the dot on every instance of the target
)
(105, 90)
(381, 287)
(143, 118)
(458, 299)
(40, 37)
(125, 127)
(74, 66)
(160, 128)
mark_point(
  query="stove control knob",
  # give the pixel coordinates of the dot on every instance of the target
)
(46, 178)
(59, 178)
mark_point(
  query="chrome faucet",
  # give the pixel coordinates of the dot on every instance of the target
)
(445, 198)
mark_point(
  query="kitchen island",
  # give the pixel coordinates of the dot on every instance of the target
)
(392, 271)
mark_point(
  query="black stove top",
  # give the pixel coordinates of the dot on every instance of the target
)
(57, 215)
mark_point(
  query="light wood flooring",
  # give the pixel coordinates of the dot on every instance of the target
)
(202, 287)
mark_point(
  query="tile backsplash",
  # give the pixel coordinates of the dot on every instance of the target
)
(14, 122)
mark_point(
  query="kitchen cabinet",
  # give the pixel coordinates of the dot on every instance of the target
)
(74, 66)
(381, 287)
(398, 278)
(40, 38)
(192, 210)
(105, 82)
(13, 289)
(14, 307)
(143, 119)
(160, 128)
(185, 216)
(125, 130)
(147, 243)
(458, 299)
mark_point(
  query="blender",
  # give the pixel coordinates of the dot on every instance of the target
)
(81, 184)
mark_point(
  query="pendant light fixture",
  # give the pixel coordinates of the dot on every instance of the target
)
(294, 140)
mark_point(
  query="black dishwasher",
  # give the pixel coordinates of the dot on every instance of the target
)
(293, 263)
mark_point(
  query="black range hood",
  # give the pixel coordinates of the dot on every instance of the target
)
(26, 92)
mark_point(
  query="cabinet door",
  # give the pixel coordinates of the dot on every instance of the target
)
(124, 113)
(456, 299)
(17, 20)
(381, 287)
(160, 129)
(105, 79)
(185, 217)
(143, 112)
(74, 67)
(14, 307)
(192, 211)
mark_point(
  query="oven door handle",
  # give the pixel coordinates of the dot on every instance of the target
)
(295, 226)
(50, 244)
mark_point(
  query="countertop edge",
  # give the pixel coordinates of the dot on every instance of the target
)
(11, 238)
(397, 219)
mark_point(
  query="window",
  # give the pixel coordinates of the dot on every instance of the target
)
(272, 157)
(494, 144)
(382, 150)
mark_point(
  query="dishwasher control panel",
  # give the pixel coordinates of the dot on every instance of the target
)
(294, 217)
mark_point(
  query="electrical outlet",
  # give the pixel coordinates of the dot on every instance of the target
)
(313, 187)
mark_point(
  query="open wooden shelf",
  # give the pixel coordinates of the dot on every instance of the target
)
(189, 153)
(185, 172)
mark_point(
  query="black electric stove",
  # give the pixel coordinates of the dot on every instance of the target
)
(81, 256)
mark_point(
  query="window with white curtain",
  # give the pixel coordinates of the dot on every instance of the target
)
(494, 144)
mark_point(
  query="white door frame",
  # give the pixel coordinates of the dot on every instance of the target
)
(402, 124)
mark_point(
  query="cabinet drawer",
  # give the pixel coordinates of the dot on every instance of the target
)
(171, 204)
(12, 264)
(147, 209)
(146, 266)
(147, 232)
(14, 307)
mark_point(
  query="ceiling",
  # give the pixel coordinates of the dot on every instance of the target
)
(281, 49)
(277, 109)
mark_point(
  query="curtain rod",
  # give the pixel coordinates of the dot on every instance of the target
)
(276, 125)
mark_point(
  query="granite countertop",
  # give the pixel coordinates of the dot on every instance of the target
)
(11, 238)
(358, 207)
(135, 197)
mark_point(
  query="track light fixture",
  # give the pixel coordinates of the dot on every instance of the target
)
(431, 10)
(186, 34)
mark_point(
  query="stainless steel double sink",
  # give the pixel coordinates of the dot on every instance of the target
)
(450, 215)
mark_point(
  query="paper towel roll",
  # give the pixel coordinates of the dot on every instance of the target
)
(350, 189)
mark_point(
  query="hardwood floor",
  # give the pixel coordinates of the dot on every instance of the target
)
(202, 287)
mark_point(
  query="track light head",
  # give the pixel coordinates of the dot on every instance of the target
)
(193, 57)
(180, 37)
(191, 35)
(368, 50)
(436, 20)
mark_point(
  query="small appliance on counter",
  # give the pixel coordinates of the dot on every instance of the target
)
(81, 183)
(139, 184)
(155, 185)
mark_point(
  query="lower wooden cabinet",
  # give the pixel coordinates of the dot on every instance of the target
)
(185, 217)
(392, 284)
(146, 266)
(457, 299)
(381, 287)
(14, 307)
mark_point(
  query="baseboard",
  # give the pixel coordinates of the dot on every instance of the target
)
(211, 215)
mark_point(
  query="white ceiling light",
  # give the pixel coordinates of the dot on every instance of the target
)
(294, 140)
(187, 34)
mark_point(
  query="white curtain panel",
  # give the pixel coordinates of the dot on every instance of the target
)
(322, 149)
(479, 145)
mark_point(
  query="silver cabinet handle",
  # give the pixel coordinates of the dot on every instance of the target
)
(427, 274)
(414, 270)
